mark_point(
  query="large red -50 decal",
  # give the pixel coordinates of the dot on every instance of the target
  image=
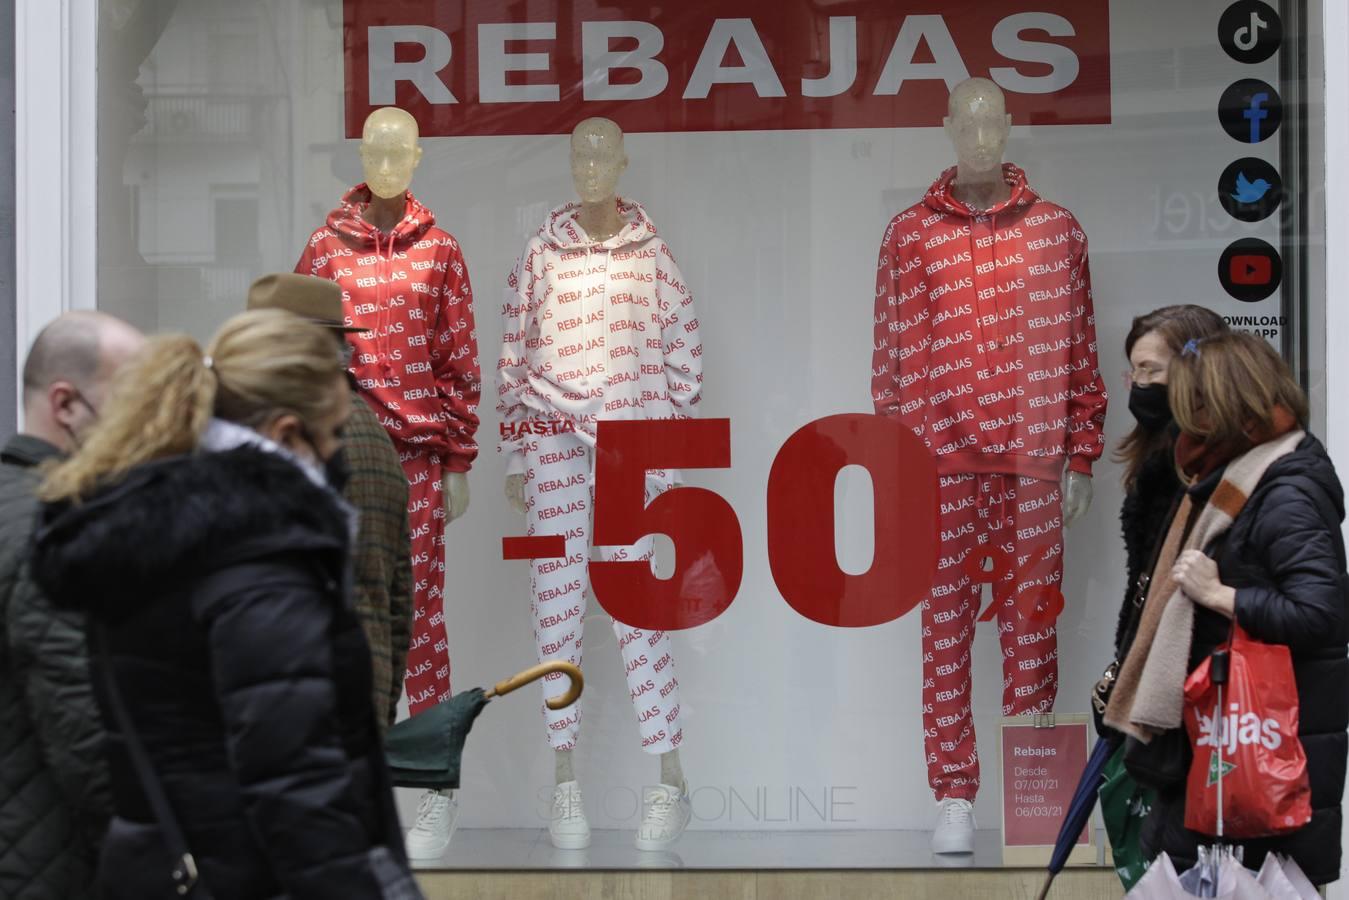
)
(709, 546)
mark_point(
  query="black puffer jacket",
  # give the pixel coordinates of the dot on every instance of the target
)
(54, 801)
(1285, 556)
(1144, 517)
(216, 589)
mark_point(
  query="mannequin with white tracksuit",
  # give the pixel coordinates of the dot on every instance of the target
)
(597, 324)
(985, 347)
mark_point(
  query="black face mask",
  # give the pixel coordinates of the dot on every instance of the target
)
(1150, 406)
(337, 470)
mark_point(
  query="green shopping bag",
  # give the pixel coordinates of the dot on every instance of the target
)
(1124, 805)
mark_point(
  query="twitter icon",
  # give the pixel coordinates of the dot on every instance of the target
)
(1250, 189)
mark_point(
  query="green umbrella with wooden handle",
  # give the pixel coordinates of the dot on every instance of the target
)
(426, 750)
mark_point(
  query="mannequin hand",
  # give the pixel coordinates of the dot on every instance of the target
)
(515, 492)
(1077, 492)
(1197, 576)
(454, 491)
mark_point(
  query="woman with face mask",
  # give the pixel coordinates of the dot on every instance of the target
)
(1256, 543)
(1148, 453)
(199, 530)
(1152, 487)
(1151, 482)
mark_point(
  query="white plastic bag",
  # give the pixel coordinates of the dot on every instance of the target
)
(1162, 883)
(1285, 880)
(1159, 882)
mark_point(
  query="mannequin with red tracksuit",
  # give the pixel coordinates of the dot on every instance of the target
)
(417, 367)
(597, 324)
(985, 347)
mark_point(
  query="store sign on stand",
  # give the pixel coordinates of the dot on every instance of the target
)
(1042, 759)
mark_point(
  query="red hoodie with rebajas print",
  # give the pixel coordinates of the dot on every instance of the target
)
(417, 364)
(985, 336)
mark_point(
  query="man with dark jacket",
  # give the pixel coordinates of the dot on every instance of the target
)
(54, 802)
(378, 489)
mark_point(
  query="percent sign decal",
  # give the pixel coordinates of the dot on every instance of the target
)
(709, 546)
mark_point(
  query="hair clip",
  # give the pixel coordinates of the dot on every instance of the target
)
(1191, 346)
(208, 362)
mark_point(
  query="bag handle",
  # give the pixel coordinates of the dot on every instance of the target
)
(1100, 694)
(1138, 597)
(184, 872)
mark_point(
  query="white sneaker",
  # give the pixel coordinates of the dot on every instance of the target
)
(431, 833)
(569, 828)
(955, 827)
(666, 814)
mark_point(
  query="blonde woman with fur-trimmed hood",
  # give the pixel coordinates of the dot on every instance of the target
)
(197, 529)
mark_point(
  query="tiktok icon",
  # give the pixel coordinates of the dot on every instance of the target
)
(1250, 31)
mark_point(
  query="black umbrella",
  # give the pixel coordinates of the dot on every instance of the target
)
(425, 751)
(1079, 810)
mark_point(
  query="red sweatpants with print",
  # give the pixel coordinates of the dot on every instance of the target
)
(428, 667)
(1024, 518)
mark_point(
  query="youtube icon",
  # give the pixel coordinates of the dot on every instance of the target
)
(1250, 270)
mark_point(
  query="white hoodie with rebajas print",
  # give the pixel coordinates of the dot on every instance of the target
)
(594, 330)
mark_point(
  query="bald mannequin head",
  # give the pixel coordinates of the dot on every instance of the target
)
(68, 372)
(390, 151)
(598, 159)
(978, 125)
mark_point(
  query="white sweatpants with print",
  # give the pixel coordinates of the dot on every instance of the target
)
(560, 500)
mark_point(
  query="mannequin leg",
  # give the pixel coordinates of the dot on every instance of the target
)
(428, 665)
(652, 687)
(563, 771)
(649, 663)
(671, 771)
(948, 616)
(1033, 531)
(557, 493)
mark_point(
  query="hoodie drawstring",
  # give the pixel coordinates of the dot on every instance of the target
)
(379, 313)
(384, 316)
(997, 294)
(349, 224)
(941, 199)
(997, 325)
(585, 337)
(974, 266)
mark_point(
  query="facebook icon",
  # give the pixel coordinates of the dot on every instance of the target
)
(1250, 111)
(1255, 114)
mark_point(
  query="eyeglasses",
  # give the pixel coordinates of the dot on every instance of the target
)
(1142, 375)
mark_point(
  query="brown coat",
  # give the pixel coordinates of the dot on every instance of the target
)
(379, 490)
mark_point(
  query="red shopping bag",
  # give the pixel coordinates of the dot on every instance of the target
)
(1249, 767)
